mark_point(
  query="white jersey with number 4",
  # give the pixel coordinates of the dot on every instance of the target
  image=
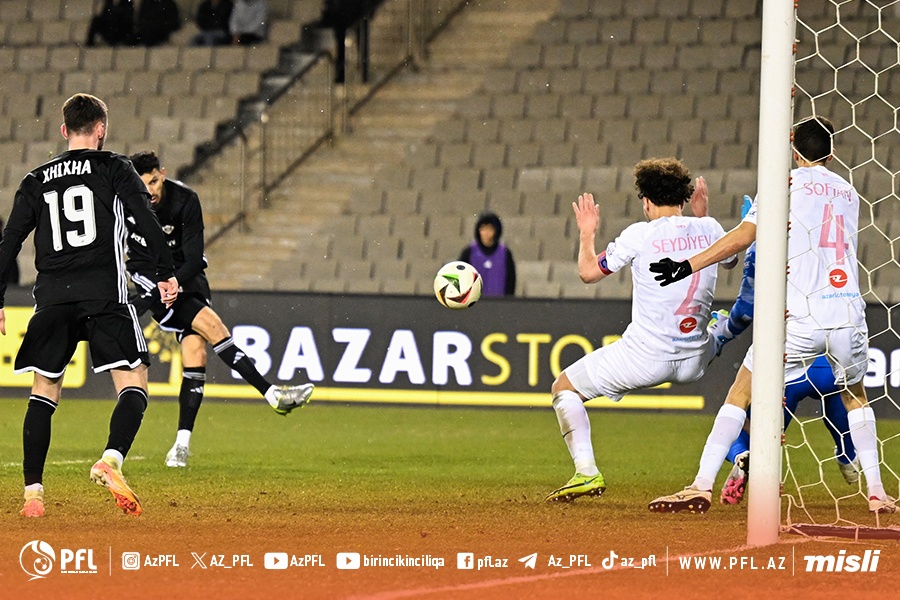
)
(823, 276)
(666, 322)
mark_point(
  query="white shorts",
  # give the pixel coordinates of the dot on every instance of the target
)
(846, 348)
(617, 369)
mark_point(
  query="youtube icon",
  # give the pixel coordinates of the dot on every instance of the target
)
(276, 560)
(347, 560)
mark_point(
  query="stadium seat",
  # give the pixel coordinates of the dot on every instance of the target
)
(542, 289)
(578, 290)
(532, 270)
(539, 203)
(31, 59)
(163, 58)
(22, 34)
(567, 179)
(417, 250)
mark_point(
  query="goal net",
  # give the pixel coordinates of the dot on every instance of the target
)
(847, 68)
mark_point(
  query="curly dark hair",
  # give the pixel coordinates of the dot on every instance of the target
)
(663, 181)
(144, 161)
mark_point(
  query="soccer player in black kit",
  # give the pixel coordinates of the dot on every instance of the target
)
(191, 319)
(77, 204)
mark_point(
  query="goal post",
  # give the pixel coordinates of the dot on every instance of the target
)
(773, 190)
(839, 59)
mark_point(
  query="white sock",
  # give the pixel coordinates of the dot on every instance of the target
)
(728, 425)
(34, 487)
(576, 430)
(862, 432)
(183, 438)
(115, 454)
(270, 396)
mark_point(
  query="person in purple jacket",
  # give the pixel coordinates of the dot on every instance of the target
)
(491, 258)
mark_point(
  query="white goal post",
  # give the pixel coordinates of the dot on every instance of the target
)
(839, 59)
(775, 121)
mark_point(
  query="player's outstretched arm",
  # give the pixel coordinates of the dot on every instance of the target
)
(2, 321)
(737, 240)
(587, 216)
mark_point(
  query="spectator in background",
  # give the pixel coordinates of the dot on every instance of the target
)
(157, 20)
(249, 22)
(212, 21)
(114, 23)
(491, 258)
(344, 15)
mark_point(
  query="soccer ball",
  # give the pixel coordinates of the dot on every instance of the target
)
(457, 285)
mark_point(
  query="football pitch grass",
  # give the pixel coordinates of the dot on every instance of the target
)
(416, 482)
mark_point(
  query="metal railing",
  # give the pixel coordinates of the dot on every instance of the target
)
(394, 38)
(237, 175)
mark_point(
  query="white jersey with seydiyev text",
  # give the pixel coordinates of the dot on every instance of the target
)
(823, 277)
(666, 322)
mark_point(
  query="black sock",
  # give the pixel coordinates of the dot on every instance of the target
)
(36, 437)
(190, 396)
(126, 419)
(235, 358)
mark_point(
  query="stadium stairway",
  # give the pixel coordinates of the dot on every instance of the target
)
(349, 220)
(596, 86)
(517, 111)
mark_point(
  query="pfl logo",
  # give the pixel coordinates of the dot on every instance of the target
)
(36, 559)
(838, 278)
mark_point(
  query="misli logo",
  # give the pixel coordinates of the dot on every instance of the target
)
(838, 278)
(843, 562)
(36, 558)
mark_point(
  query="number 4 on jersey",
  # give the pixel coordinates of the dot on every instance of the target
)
(839, 244)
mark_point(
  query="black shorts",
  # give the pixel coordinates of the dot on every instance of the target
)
(111, 329)
(178, 317)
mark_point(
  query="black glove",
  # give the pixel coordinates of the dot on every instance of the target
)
(671, 271)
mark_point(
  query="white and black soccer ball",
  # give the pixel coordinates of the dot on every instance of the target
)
(457, 285)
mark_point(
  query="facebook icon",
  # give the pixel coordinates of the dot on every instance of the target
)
(465, 560)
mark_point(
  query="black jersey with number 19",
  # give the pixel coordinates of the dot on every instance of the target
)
(77, 204)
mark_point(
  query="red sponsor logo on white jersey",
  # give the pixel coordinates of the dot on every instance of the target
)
(838, 278)
(688, 325)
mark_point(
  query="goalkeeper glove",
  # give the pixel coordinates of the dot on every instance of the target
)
(746, 206)
(670, 271)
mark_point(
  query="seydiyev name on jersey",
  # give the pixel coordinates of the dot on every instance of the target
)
(686, 242)
(67, 167)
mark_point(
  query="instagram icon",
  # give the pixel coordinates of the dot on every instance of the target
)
(131, 561)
